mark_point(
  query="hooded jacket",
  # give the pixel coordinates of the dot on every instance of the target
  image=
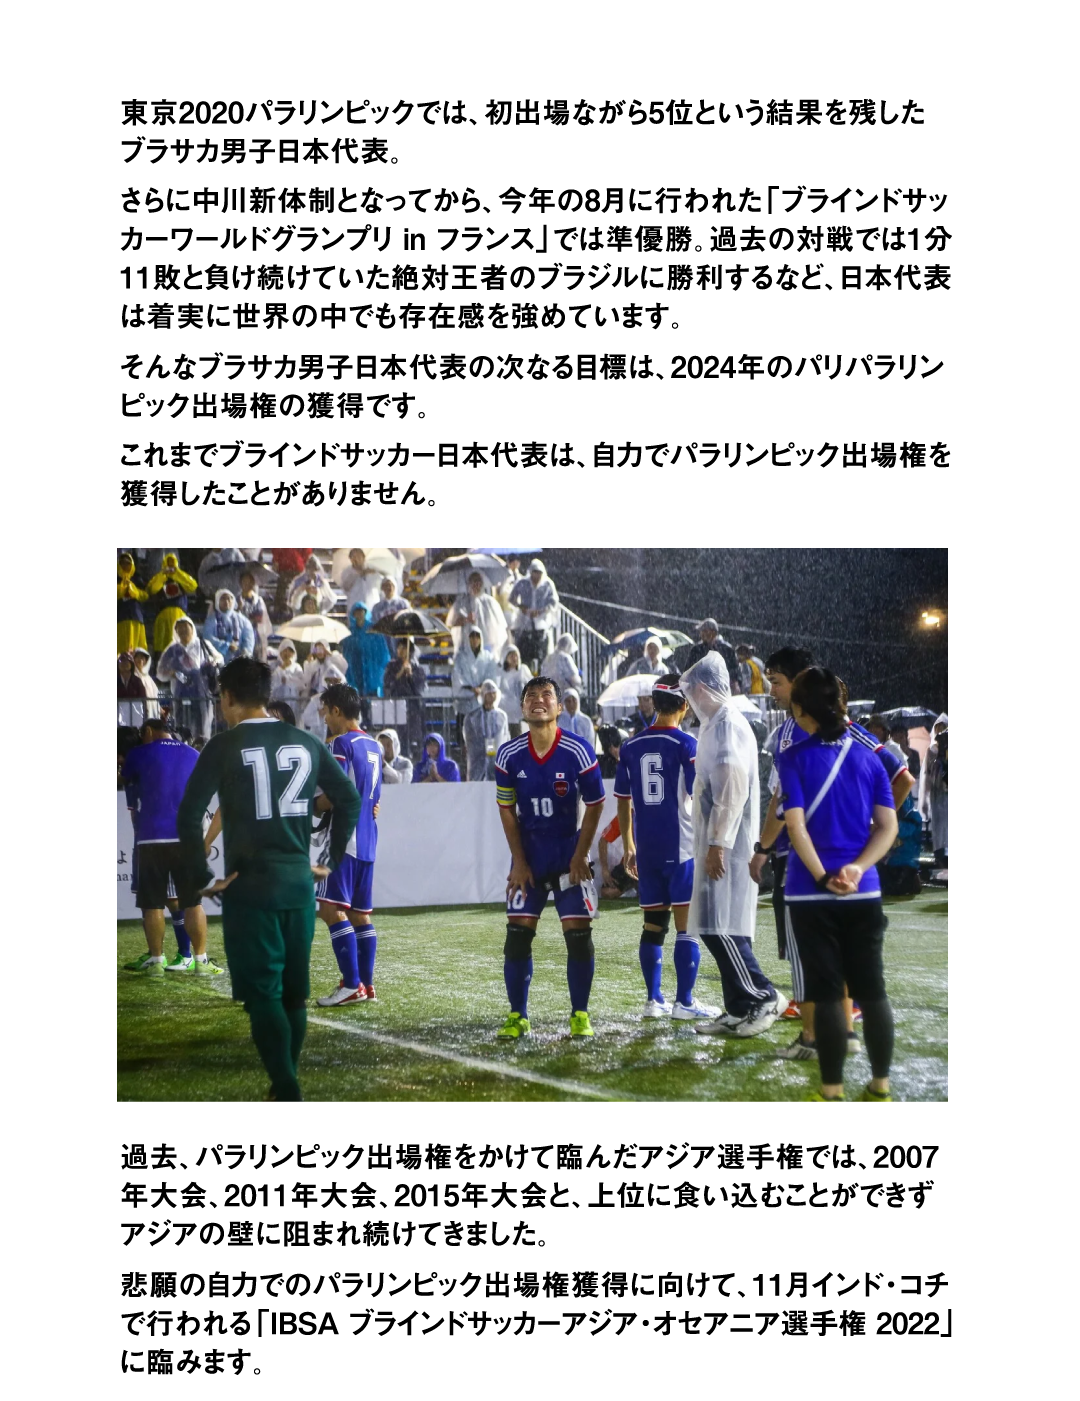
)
(446, 768)
(578, 724)
(399, 769)
(541, 596)
(223, 629)
(173, 585)
(366, 654)
(185, 667)
(472, 669)
(560, 664)
(484, 731)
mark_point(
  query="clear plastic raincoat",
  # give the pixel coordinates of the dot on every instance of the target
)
(726, 803)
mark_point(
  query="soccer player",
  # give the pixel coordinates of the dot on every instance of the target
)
(265, 774)
(655, 779)
(344, 897)
(155, 774)
(539, 778)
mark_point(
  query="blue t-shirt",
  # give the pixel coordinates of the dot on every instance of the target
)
(155, 776)
(656, 771)
(545, 792)
(780, 742)
(362, 759)
(838, 823)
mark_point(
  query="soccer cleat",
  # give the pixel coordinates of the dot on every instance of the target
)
(693, 1011)
(580, 1026)
(370, 994)
(819, 1098)
(153, 970)
(342, 996)
(514, 1027)
(792, 1012)
(137, 964)
(870, 1096)
(204, 969)
(761, 1017)
(799, 1050)
(719, 1026)
(180, 964)
(655, 1008)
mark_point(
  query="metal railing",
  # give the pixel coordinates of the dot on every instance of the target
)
(589, 657)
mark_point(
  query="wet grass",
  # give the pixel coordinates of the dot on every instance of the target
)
(430, 1036)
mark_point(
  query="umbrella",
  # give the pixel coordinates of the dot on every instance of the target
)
(379, 558)
(411, 553)
(259, 572)
(505, 551)
(910, 717)
(313, 627)
(636, 638)
(623, 694)
(411, 623)
(452, 575)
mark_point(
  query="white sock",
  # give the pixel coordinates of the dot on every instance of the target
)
(161, 959)
(202, 958)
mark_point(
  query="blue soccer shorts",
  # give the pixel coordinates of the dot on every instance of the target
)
(666, 885)
(575, 902)
(350, 886)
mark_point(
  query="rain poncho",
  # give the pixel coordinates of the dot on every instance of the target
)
(151, 709)
(446, 768)
(130, 631)
(483, 731)
(482, 611)
(387, 607)
(398, 769)
(361, 586)
(578, 724)
(324, 594)
(471, 670)
(540, 597)
(253, 606)
(560, 664)
(287, 676)
(190, 671)
(726, 803)
(510, 681)
(752, 677)
(172, 584)
(399, 684)
(230, 632)
(318, 665)
(650, 663)
(934, 789)
(366, 654)
(311, 720)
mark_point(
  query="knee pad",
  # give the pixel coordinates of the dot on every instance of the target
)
(579, 944)
(518, 946)
(662, 918)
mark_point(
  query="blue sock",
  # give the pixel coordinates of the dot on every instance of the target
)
(517, 974)
(365, 953)
(687, 959)
(651, 958)
(343, 939)
(579, 976)
(183, 943)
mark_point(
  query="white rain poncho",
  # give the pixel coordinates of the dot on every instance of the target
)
(560, 664)
(726, 808)
(398, 769)
(934, 789)
(577, 723)
(483, 732)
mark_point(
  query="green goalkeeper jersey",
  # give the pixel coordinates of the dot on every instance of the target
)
(266, 774)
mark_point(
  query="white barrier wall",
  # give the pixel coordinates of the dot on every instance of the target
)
(439, 844)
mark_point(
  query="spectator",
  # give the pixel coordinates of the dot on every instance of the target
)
(130, 627)
(366, 654)
(190, 665)
(390, 601)
(173, 585)
(877, 726)
(396, 768)
(504, 590)
(130, 692)
(141, 659)
(899, 871)
(227, 629)
(435, 767)
(485, 728)
(404, 676)
(220, 569)
(476, 606)
(611, 738)
(360, 583)
(912, 757)
(650, 662)
(512, 681)
(320, 662)
(751, 672)
(538, 601)
(934, 792)
(312, 583)
(560, 665)
(574, 721)
(287, 676)
(253, 606)
(473, 665)
(288, 564)
(313, 719)
(711, 641)
(645, 714)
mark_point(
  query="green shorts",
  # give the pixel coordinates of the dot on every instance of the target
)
(268, 952)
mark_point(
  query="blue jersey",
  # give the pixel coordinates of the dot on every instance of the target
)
(837, 783)
(893, 765)
(656, 772)
(545, 792)
(361, 757)
(780, 742)
(155, 776)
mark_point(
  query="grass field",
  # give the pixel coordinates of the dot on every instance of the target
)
(430, 1036)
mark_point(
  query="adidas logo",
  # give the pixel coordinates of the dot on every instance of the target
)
(522, 774)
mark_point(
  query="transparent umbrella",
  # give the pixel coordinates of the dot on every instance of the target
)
(313, 627)
(451, 577)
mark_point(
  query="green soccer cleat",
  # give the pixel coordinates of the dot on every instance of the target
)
(514, 1027)
(136, 964)
(180, 964)
(870, 1096)
(153, 970)
(204, 970)
(818, 1098)
(580, 1025)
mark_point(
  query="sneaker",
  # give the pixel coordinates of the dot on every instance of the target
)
(799, 1050)
(656, 1008)
(180, 964)
(137, 964)
(514, 1027)
(870, 1096)
(580, 1025)
(819, 1098)
(693, 1011)
(760, 1018)
(719, 1026)
(792, 1012)
(342, 995)
(204, 968)
(370, 994)
(152, 970)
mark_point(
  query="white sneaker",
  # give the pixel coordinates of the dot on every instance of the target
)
(695, 1012)
(720, 1026)
(180, 965)
(342, 995)
(760, 1018)
(653, 1008)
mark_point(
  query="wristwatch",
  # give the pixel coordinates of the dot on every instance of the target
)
(760, 850)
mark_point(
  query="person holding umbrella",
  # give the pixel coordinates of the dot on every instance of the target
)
(313, 583)
(477, 607)
(538, 601)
